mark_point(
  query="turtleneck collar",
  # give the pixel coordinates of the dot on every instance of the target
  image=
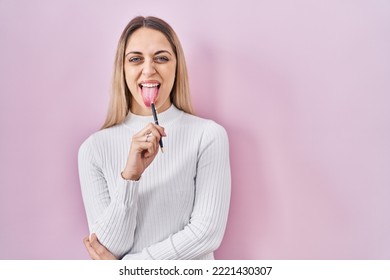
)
(165, 118)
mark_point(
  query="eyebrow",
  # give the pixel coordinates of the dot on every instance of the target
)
(140, 53)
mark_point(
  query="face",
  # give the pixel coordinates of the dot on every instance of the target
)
(150, 67)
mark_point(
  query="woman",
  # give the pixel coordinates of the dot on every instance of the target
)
(141, 203)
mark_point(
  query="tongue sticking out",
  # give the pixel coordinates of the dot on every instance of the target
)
(149, 95)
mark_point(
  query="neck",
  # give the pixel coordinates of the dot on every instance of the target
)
(147, 111)
(166, 118)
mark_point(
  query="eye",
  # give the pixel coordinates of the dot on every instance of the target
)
(161, 59)
(135, 59)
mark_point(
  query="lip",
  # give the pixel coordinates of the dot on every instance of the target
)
(149, 82)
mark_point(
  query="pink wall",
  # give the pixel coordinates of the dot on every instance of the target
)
(302, 87)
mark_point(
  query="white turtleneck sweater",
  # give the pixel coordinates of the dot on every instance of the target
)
(178, 208)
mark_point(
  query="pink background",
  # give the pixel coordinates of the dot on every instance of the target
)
(302, 87)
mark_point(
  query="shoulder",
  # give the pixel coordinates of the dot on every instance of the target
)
(209, 130)
(99, 139)
(208, 125)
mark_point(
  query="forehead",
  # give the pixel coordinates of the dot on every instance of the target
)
(147, 40)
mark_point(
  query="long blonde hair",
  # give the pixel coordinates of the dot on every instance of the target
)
(120, 100)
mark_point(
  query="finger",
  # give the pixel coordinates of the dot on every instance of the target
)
(100, 250)
(155, 131)
(96, 244)
(148, 148)
(146, 130)
(92, 253)
(151, 128)
(152, 137)
(161, 130)
(141, 146)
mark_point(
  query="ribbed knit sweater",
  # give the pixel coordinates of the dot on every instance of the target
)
(178, 208)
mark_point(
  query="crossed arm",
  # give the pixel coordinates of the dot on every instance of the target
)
(205, 229)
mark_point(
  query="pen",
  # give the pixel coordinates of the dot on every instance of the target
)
(156, 122)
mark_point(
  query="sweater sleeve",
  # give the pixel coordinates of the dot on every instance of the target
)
(111, 212)
(204, 232)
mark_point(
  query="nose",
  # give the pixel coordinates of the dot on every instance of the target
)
(148, 68)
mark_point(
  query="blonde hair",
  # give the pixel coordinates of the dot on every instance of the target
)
(120, 100)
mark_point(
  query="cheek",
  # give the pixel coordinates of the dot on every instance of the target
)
(130, 79)
(171, 73)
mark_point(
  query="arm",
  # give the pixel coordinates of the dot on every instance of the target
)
(111, 214)
(204, 232)
(111, 210)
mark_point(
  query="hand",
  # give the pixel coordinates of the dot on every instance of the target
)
(96, 250)
(143, 150)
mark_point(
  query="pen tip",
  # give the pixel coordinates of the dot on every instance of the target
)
(162, 150)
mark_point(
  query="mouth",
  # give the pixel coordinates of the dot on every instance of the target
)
(149, 85)
(149, 92)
